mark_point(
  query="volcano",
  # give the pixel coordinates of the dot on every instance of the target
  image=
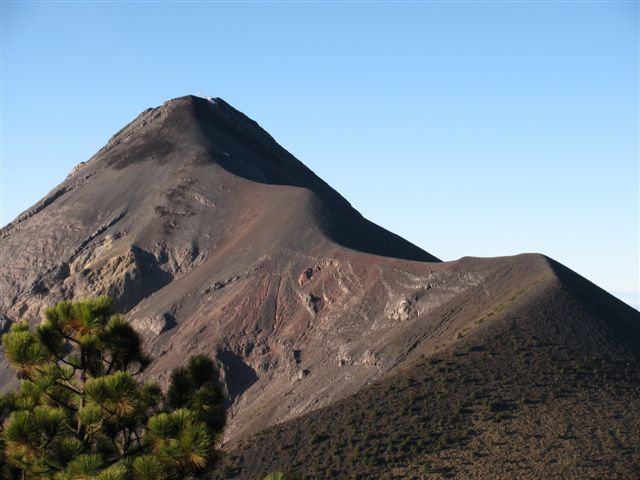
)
(345, 350)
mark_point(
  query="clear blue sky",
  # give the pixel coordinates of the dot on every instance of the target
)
(468, 128)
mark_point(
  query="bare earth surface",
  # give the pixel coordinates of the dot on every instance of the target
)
(347, 352)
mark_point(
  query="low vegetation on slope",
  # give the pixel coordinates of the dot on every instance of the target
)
(507, 404)
(81, 412)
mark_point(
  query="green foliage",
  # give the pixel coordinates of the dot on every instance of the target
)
(277, 476)
(81, 412)
(282, 476)
(195, 388)
(149, 467)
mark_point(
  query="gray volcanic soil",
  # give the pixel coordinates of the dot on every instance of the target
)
(214, 239)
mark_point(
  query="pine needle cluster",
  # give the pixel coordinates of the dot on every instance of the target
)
(82, 412)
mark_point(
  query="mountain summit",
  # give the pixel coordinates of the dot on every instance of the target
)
(214, 239)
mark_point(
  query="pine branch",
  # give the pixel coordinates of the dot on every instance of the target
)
(44, 374)
(60, 402)
(111, 363)
(61, 359)
(131, 453)
(68, 337)
(70, 388)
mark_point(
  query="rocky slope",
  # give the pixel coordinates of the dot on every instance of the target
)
(213, 239)
(541, 381)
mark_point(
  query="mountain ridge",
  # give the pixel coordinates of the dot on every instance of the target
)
(213, 239)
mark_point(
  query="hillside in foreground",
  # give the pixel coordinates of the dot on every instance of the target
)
(518, 397)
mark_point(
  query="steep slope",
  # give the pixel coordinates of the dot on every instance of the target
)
(190, 184)
(544, 383)
(213, 239)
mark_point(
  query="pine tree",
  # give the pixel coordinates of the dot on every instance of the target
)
(82, 413)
